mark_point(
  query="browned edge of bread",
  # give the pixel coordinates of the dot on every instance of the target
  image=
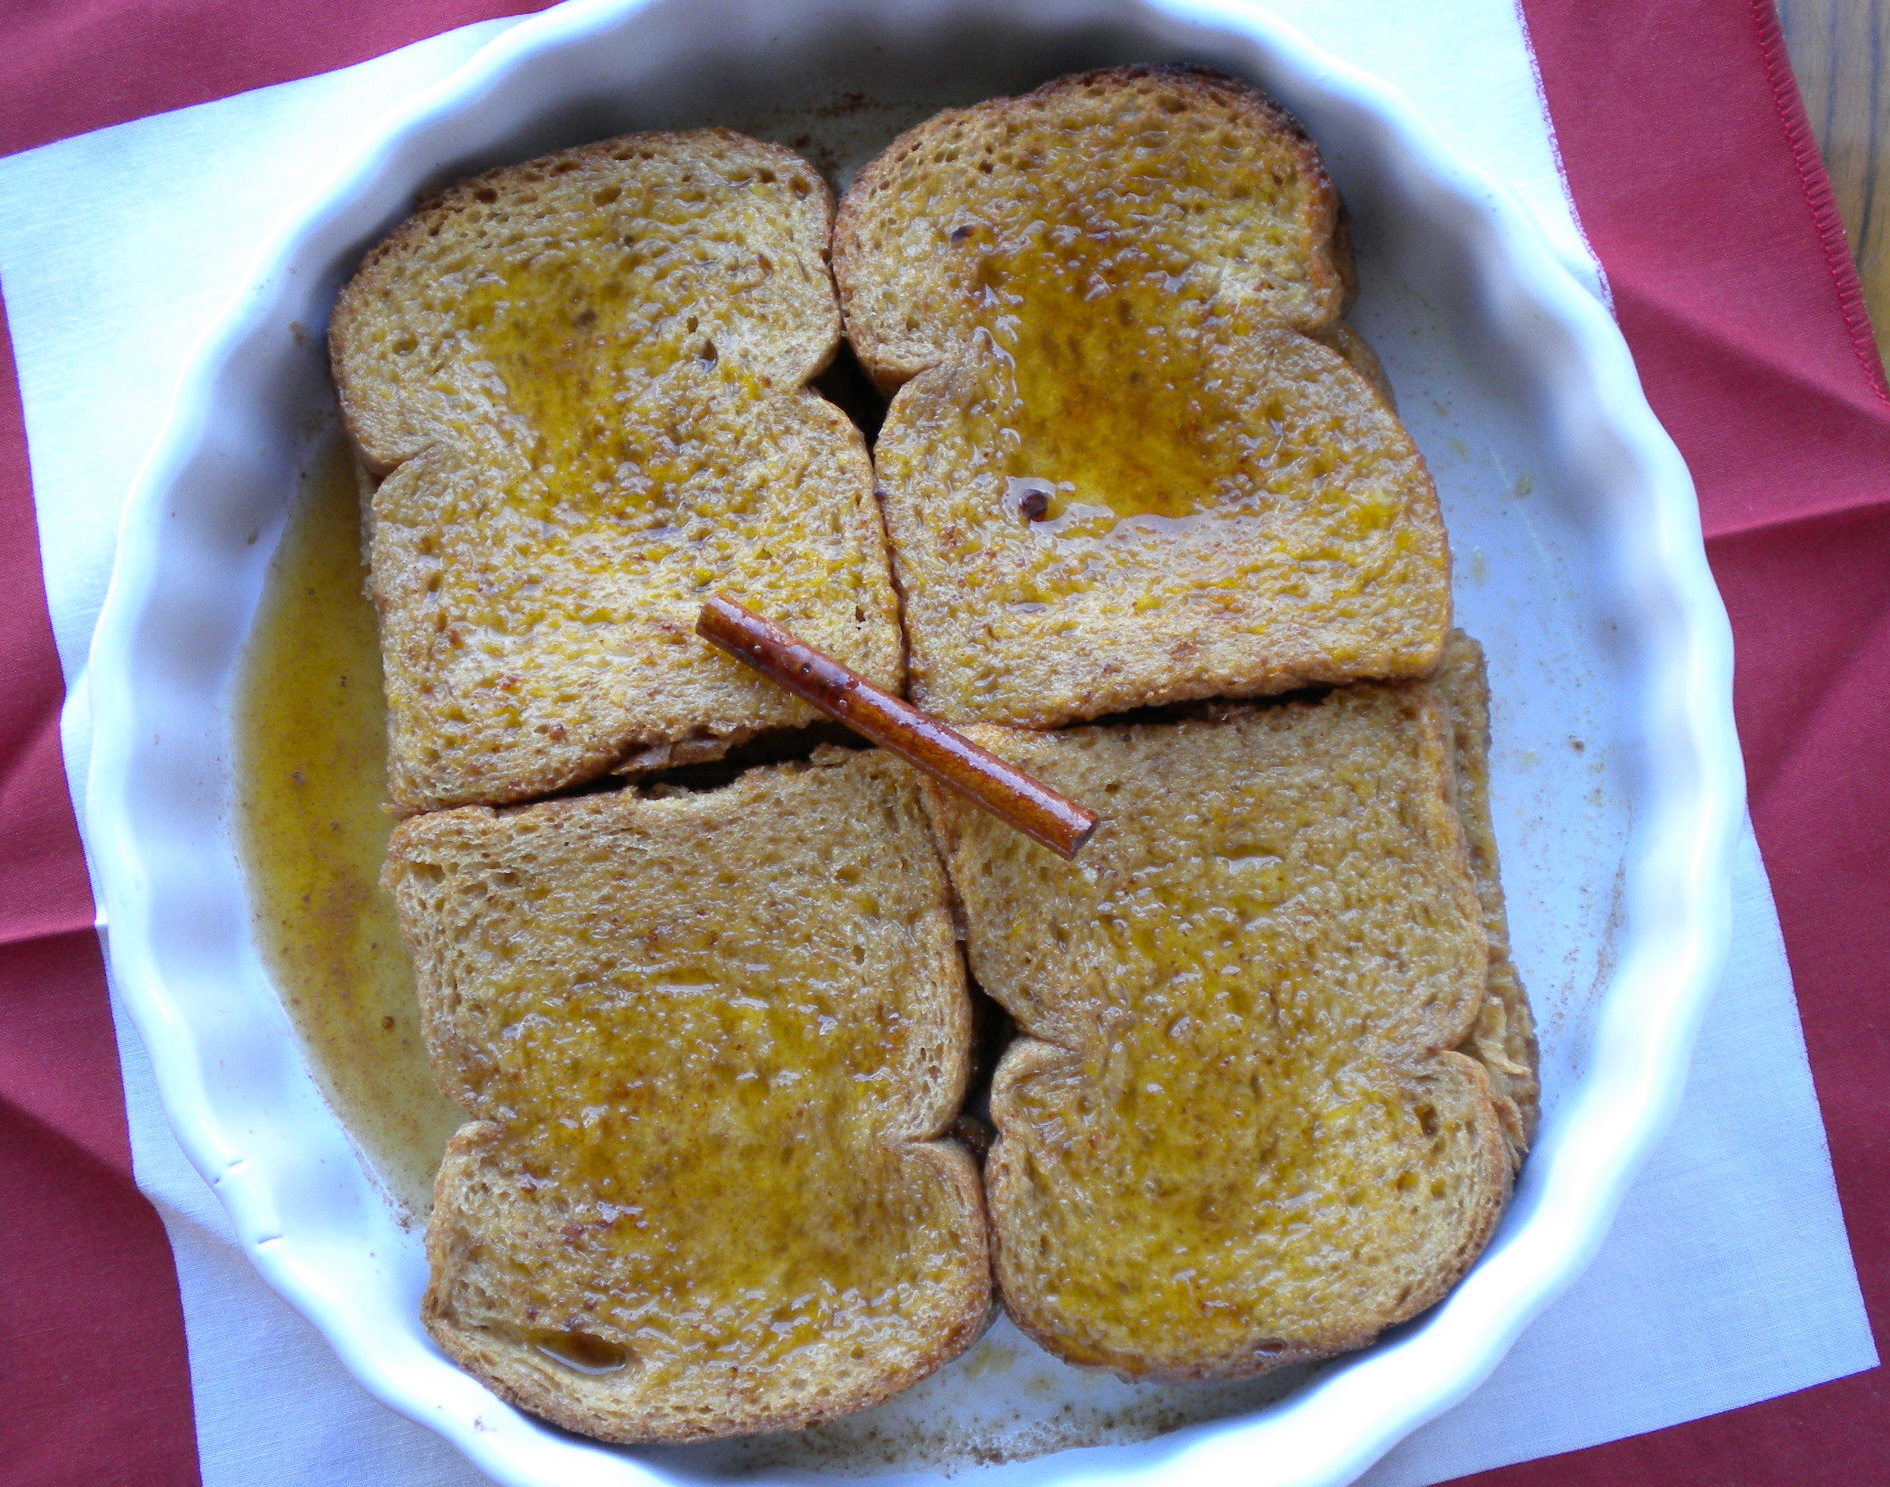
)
(1504, 1037)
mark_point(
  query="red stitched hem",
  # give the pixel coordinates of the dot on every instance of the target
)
(1521, 10)
(1818, 194)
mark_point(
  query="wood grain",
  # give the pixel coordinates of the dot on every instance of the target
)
(1838, 50)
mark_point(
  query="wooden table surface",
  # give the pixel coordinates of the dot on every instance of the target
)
(1838, 49)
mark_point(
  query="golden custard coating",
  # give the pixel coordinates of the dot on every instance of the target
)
(1123, 472)
(583, 381)
(705, 1041)
(1195, 182)
(1236, 1132)
(1255, 536)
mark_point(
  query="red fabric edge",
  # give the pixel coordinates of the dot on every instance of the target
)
(93, 1363)
(1819, 195)
(144, 57)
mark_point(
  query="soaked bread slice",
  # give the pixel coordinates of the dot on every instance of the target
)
(1317, 557)
(1504, 1037)
(1124, 466)
(709, 1043)
(1091, 185)
(582, 379)
(1237, 1131)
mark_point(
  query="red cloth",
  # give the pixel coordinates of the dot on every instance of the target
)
(93, 1379)
(76, 65)
(1700, 190)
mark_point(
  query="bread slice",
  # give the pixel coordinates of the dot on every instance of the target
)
(1504, 1037)
(1092, 183)
(583, 381)
(1123, 466)
(708, 1043)
(1236, 1132)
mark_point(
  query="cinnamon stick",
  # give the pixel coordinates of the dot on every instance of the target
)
(896, 725)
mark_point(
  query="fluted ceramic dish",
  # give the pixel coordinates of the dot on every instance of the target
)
(1579, 563)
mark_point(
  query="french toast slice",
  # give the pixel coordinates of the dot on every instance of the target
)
(708, 1043)
(1236, 1131)
(1132, 458)
(1124, 174)
(582, 380)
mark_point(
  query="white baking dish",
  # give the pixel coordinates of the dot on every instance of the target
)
(1580, 565)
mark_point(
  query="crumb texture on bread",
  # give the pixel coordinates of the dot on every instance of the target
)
(1312, 565)
(1504, 1037)
(1124, 466)
(1144, 172)
(582, 379)
(1236, 1131)
(709, 1043)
